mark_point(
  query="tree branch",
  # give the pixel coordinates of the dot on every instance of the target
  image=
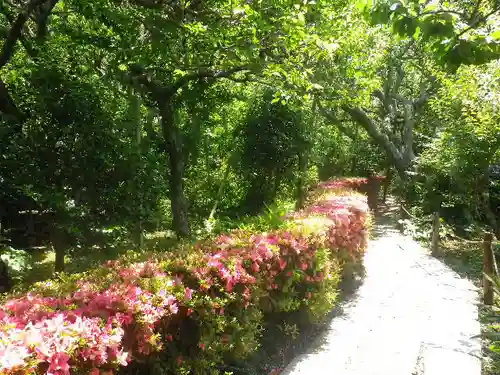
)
(477, 21)
(462, 15)
(7, 106)
(334, 120)
(29, 49)
(380, 96)
(383, 141)
(400, 74)
(15, 32)
(150, 4)
(409, 124)
(206, 73)
(43, 18)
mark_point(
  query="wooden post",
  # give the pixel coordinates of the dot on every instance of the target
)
(435, 234)
(487, 269)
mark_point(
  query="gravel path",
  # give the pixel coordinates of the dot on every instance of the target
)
(412, 316)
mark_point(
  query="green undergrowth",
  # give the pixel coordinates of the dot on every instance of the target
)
(30, 266)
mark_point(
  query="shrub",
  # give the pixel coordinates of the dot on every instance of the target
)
(192, 311)
(354, 183)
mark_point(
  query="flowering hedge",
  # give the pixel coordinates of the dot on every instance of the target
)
(192, 310)
(355, 183)
(369, 186)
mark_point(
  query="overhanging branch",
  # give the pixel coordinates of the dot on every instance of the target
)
(360, 117)
(15, 31)
(334, 120)
(208, 73)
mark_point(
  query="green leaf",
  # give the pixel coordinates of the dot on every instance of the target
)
(364, 4)
(405, 26)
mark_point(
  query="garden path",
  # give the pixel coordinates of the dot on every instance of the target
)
(412, 315)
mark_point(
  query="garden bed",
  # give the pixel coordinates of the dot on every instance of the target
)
(193, 312)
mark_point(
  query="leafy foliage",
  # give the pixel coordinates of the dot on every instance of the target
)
(457, 32)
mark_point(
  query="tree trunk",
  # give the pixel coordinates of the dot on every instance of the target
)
(59, 263)
(485, 200)
(400, 161)
(59, 245)
(301, 181)
(219, 192)
(5, 279)
(173, 149)
(136, 183)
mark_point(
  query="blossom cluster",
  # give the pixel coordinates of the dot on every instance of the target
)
(127, 310)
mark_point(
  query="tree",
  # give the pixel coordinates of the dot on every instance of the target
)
(388, 113)
(458, 160)
(456, 32)
(164, 49)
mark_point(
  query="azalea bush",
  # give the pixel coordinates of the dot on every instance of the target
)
(192, 311)
(349, 182)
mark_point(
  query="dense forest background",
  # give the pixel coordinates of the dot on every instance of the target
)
(123, 123)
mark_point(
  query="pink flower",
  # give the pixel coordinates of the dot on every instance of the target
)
(122, 358)
(282, 264)
(58, 364)
(255, 267)
(188, 293)
(174, 308)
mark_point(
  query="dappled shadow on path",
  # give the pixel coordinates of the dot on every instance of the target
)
(384, 222)
(278, 349)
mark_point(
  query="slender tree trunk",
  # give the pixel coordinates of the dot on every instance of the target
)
(59, 262)
(5, 279)
(219, 192)
(135, 114)
(301, 181)
(277, 183)
(486, 205)
(59, 245)
(173, 147)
